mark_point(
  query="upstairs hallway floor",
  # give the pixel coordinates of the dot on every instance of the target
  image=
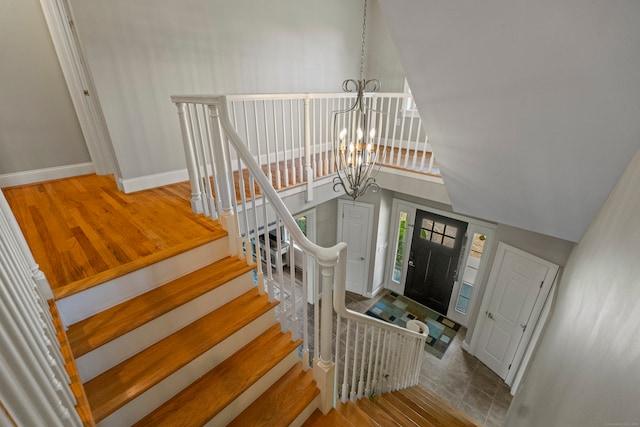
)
(83, 230)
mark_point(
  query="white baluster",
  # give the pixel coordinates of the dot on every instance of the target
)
(354, 382)
(293, 144)
(376, 369)
(424, 148)
(266, 140)
(267, 250)
(309, 167)
(305, 314)
(363, 358)
(244, 213)
(192, 167)
(275, 141)
(411, 139)
(301, 143)
(292, 272)
(280, 271)
(256, 240)
(205, 164)
(367, 390)
(345, 373)
(400, 142)
(257, 129)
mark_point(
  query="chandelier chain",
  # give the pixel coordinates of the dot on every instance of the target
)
(364, 34)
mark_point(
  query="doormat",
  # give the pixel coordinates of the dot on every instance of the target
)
(398, 309)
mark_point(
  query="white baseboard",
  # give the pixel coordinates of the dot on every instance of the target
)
(46, 174)
(145, 182)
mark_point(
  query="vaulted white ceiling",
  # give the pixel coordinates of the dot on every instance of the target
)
(532, 107)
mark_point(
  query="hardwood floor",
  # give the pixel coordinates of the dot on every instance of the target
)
(83, 230)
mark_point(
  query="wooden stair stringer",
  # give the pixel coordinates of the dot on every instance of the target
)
(221, 389)
(128, 380)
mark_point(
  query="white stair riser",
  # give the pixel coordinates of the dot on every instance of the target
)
(164, 390)
(109, 355)
(82, 305)
(243, 401)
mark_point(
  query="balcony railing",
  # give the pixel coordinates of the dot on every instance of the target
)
(239, 150)
(289, 136)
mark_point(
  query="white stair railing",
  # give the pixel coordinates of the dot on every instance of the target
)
(229, 184)
(34, 386)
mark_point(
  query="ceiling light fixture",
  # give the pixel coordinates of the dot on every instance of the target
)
(355, 139)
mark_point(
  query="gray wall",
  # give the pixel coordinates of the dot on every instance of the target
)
(586, 370)
(38, 125)
(142, 52)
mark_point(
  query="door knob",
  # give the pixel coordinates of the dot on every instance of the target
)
(411, 264)
(490, 315)
(361, 258)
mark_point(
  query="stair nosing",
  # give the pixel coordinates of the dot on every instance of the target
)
(164, 348)
(100, 321)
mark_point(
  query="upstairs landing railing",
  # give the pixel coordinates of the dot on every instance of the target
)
(229, 184)
(289, 135)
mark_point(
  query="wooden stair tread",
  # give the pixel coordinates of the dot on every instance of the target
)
(355, 415)
(332, 419)
(436, 409)
(394, 411)
(137, 264)
(376, 413)
(97, 330)
(282, 402)
(206, 397)
(416, 417)
(115, 387)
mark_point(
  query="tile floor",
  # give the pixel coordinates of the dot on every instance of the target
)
(459, 377)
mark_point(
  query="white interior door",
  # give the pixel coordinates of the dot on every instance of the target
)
(518, 286)
(355, 230)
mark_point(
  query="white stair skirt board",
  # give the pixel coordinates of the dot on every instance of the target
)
(82, 305)
(109, 355)
(46, 174)
(243, 401)
(170, 386)
(131, 185)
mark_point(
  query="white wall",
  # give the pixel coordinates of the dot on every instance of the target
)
(142, 52)
(38, 125)
(531, 106)
(382, 61)
(586, 371)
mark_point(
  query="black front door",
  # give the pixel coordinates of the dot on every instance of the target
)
(433, 259)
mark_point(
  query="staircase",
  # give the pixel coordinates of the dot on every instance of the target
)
(414, 406)
(202, 349)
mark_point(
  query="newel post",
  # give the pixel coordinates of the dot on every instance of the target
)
(324, 370)
(308, 169)
(225, 204)
(197, 202)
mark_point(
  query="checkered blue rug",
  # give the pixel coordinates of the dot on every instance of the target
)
(398, 309)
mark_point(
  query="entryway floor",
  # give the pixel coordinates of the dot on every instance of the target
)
(458, 377)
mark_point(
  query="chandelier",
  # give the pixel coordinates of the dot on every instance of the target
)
(355, 139)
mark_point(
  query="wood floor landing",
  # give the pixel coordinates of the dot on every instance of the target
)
(83, 230)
